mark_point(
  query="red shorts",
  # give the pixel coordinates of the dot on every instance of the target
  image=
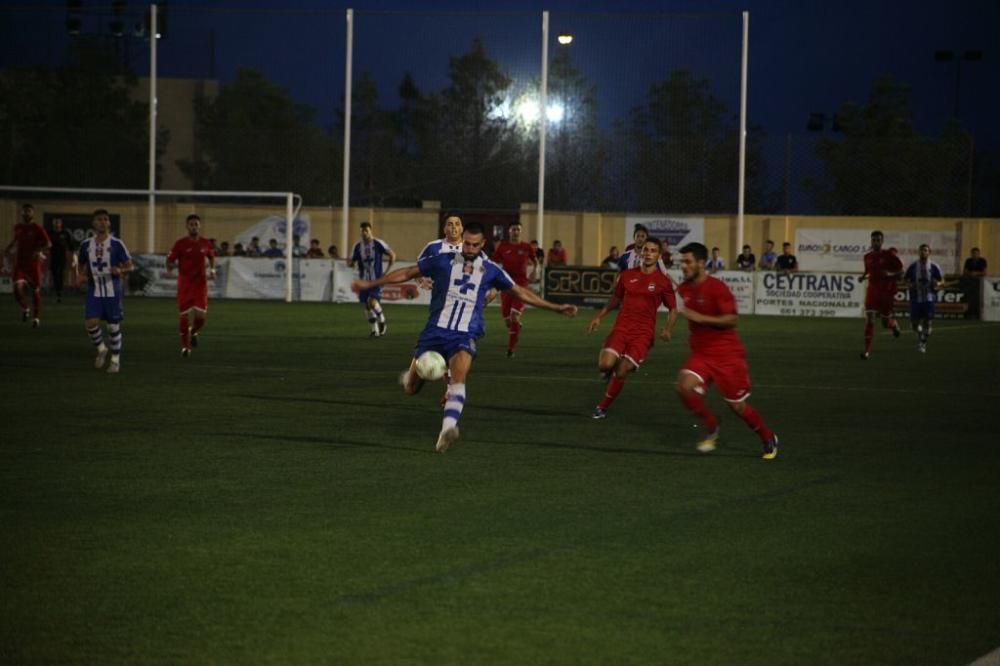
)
(626, 344)
(31, 274)
(192, 296)
(730, 373)
(880, 302)
(509, 302)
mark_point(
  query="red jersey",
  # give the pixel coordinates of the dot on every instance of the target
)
(710, 297)
(641, 295)
(877, 263)
(30, 239)
(515, 257)
(190, 254)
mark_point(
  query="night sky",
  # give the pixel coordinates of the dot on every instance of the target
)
(804, 57)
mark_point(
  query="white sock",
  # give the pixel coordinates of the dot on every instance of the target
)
(453, 406)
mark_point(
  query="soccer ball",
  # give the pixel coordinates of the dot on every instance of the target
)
(431, 366)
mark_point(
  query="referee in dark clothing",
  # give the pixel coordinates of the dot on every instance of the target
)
(62, 246)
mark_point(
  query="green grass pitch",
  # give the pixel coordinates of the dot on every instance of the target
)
(276, 499)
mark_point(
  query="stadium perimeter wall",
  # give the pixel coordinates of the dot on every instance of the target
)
(587, 235)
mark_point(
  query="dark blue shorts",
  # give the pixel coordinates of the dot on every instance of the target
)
(108, 309)
(365, 294)
(921, 310)
(445, 342)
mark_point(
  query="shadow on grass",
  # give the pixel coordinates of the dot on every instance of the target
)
(328, 441)
(615, 449)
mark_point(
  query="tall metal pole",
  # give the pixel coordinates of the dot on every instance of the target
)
(151, 222)
(743, 131)
(289, 256)
(348, 84)
(542, 122)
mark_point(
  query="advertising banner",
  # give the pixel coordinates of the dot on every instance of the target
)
(843, 250)
(154, 281)
(408, 293)
(315, 280)
(677, 230)
(955, 302)
(741, 284)
(249, 277)
(809, 294)
(579, 286)
(991, 299)
(274, 226)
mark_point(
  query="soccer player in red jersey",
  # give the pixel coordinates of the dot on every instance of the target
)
(30, 243)
(190, 254)
(717, 354)
(639, 292)
(882, 269)
(515, 256)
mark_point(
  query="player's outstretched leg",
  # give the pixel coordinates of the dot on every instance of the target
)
(97, 338)
(452, 413)
(21, 300)
(184, 328)
(890, 322)
(196, 325)
(410, 381)
(752, 418)
(513, 332)
(869, 335)
(36, 305)
(380, 326)
(115, 344)
(619, 367)
(691, 390)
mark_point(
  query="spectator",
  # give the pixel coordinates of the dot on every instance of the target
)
(975, 265)
(254, 249)
(333, 252)
(62, 247)
(538, 252)
(273, 251)
(666, 258)
(315, 251)
(745, 260)
(298, 250)
(786, 261)
(557, 254)
(223, 250)
(611, 261)
(215, 246)
(716, 263)
(238, 250)
(769, 257)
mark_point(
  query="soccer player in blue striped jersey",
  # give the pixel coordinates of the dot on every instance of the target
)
(452, 241)
(105, 259)
(455, 323)
(923, 278)
(368, 254)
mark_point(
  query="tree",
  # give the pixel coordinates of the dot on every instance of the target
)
(76, 126)
(880, 165)
(254, 137)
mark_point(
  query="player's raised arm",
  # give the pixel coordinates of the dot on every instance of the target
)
(532, 298)
(397, 276)
(612, 304)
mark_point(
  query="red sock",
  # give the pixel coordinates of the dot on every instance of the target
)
(696, 405)
(869, 334)
(19, 297)
(513, 332)
(893, 324)
(36, 302)
(183, 326)
(196, 326)
(752, 419)
(614, 388)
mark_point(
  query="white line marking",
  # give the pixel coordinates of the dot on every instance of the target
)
(991, 659)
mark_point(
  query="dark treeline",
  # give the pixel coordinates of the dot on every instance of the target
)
(469, 145)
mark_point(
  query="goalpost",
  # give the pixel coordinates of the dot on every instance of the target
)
(90, 196)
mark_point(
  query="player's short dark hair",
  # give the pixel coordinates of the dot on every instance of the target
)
(699, 251)
(27, 205)
(746, 247)
(975, 249)
(769, 241)
(640, 227)
(923, 245)
(786, 244)
(474, 228)
(515, 224)
(877, 233)
(714, 249)
(99, 211)
(192, 216)
(451, 213)
(366, 225)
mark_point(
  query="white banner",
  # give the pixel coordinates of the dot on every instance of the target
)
(844, 249)
(742, 285)
(250, 277)
(809, 294)
(153, 268)
(676, 230)
(991, 299)
(274, 226)
(408, 293)
(314, 281)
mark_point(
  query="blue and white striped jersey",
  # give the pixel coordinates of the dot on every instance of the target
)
(458, 297)
(100, 258)
(632, 258)
(368, 256)
(440, 246)
(923, 277)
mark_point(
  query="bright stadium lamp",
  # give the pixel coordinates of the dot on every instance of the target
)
(565, 39)
(529, 110)
(555, 112)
